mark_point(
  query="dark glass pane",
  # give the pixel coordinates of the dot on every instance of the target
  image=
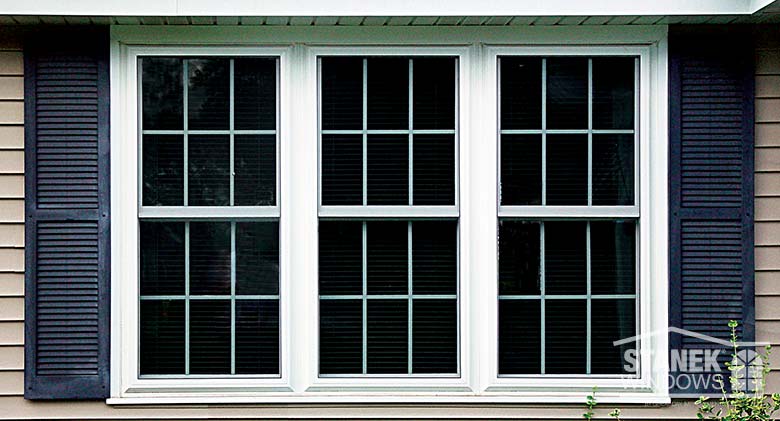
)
(341, 336)
(567, 170)
(518, 258)
(388, 170)
(209, 337)
(257, 258)
(209, 171)
(613, 92)
(209, 258)
(162, 337)
(162, 258)
(565, 334)
(567, 93)
(612, 320)
(521, 169)
(564, 257)
(388, 333)
(163, 174)
(613, 257)
(521, 93)
(434, 170)
(257, 337)
(435, 336)
(388, 93)
(435, 257)
(342, 170)
(255, 94)
(342, 93)
(613, 169)
(163, 93)
(209, 94)
(255, 167)
(519, 337)
(387, 257)
(434, 93)
(341, 257)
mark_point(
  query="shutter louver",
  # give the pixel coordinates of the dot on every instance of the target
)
(711, 190)
(67, 215)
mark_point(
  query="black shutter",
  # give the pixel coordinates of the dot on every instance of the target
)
(67, 214)
(711, 187)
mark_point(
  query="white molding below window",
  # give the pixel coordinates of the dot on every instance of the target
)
(298, 212)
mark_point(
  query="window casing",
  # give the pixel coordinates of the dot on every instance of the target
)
(299, 212)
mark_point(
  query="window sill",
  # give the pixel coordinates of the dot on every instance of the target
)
(526, 398)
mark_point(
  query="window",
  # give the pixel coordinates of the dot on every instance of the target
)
(209, 230)
(438, 221)
(388, 279)
(568, 214)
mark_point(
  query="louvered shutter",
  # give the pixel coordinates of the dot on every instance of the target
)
(711, 187)
(67, 215)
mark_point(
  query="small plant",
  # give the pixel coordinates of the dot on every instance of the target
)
(590, 404)
(736, 404)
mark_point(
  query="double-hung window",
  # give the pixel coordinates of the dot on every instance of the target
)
(568, 214)
(388, 216)
(209, 230)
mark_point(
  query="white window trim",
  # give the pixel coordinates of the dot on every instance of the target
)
(297, 48)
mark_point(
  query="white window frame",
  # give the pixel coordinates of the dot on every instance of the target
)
(297, 49)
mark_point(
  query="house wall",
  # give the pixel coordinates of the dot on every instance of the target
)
(767, 233)
(13, 405)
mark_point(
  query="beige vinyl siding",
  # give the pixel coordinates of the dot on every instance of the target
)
(767, 216)
(11, 220)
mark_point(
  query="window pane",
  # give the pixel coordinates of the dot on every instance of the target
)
(388, 170)
(567, 170)
(521, 93)
(388, 332)
(209, 336)
(342, 170)
(255, 93)
(257, 258)
(387, 257)
(567, 93)
(163, 93)
(163, 170)
(341, 257)
(342, 93)
(521, 170)
(519, 337)
(565, 336)
(434, 170)
(162, 258)
(613, 257)
(435, 257)
(255, 170)
(613, 92)
(434, 93)
(435, 336)
(257, 337)
(388, 93)
(209, 258)
(341, 336)
(564, 257)
(209, 94)
(612, 320)
(162, 337)
(613, 169)
(518, 258)
(209, 170)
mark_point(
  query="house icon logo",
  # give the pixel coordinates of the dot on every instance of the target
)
(705, 365)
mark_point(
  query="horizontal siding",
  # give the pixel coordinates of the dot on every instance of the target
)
(11, 223)
(767, 192)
